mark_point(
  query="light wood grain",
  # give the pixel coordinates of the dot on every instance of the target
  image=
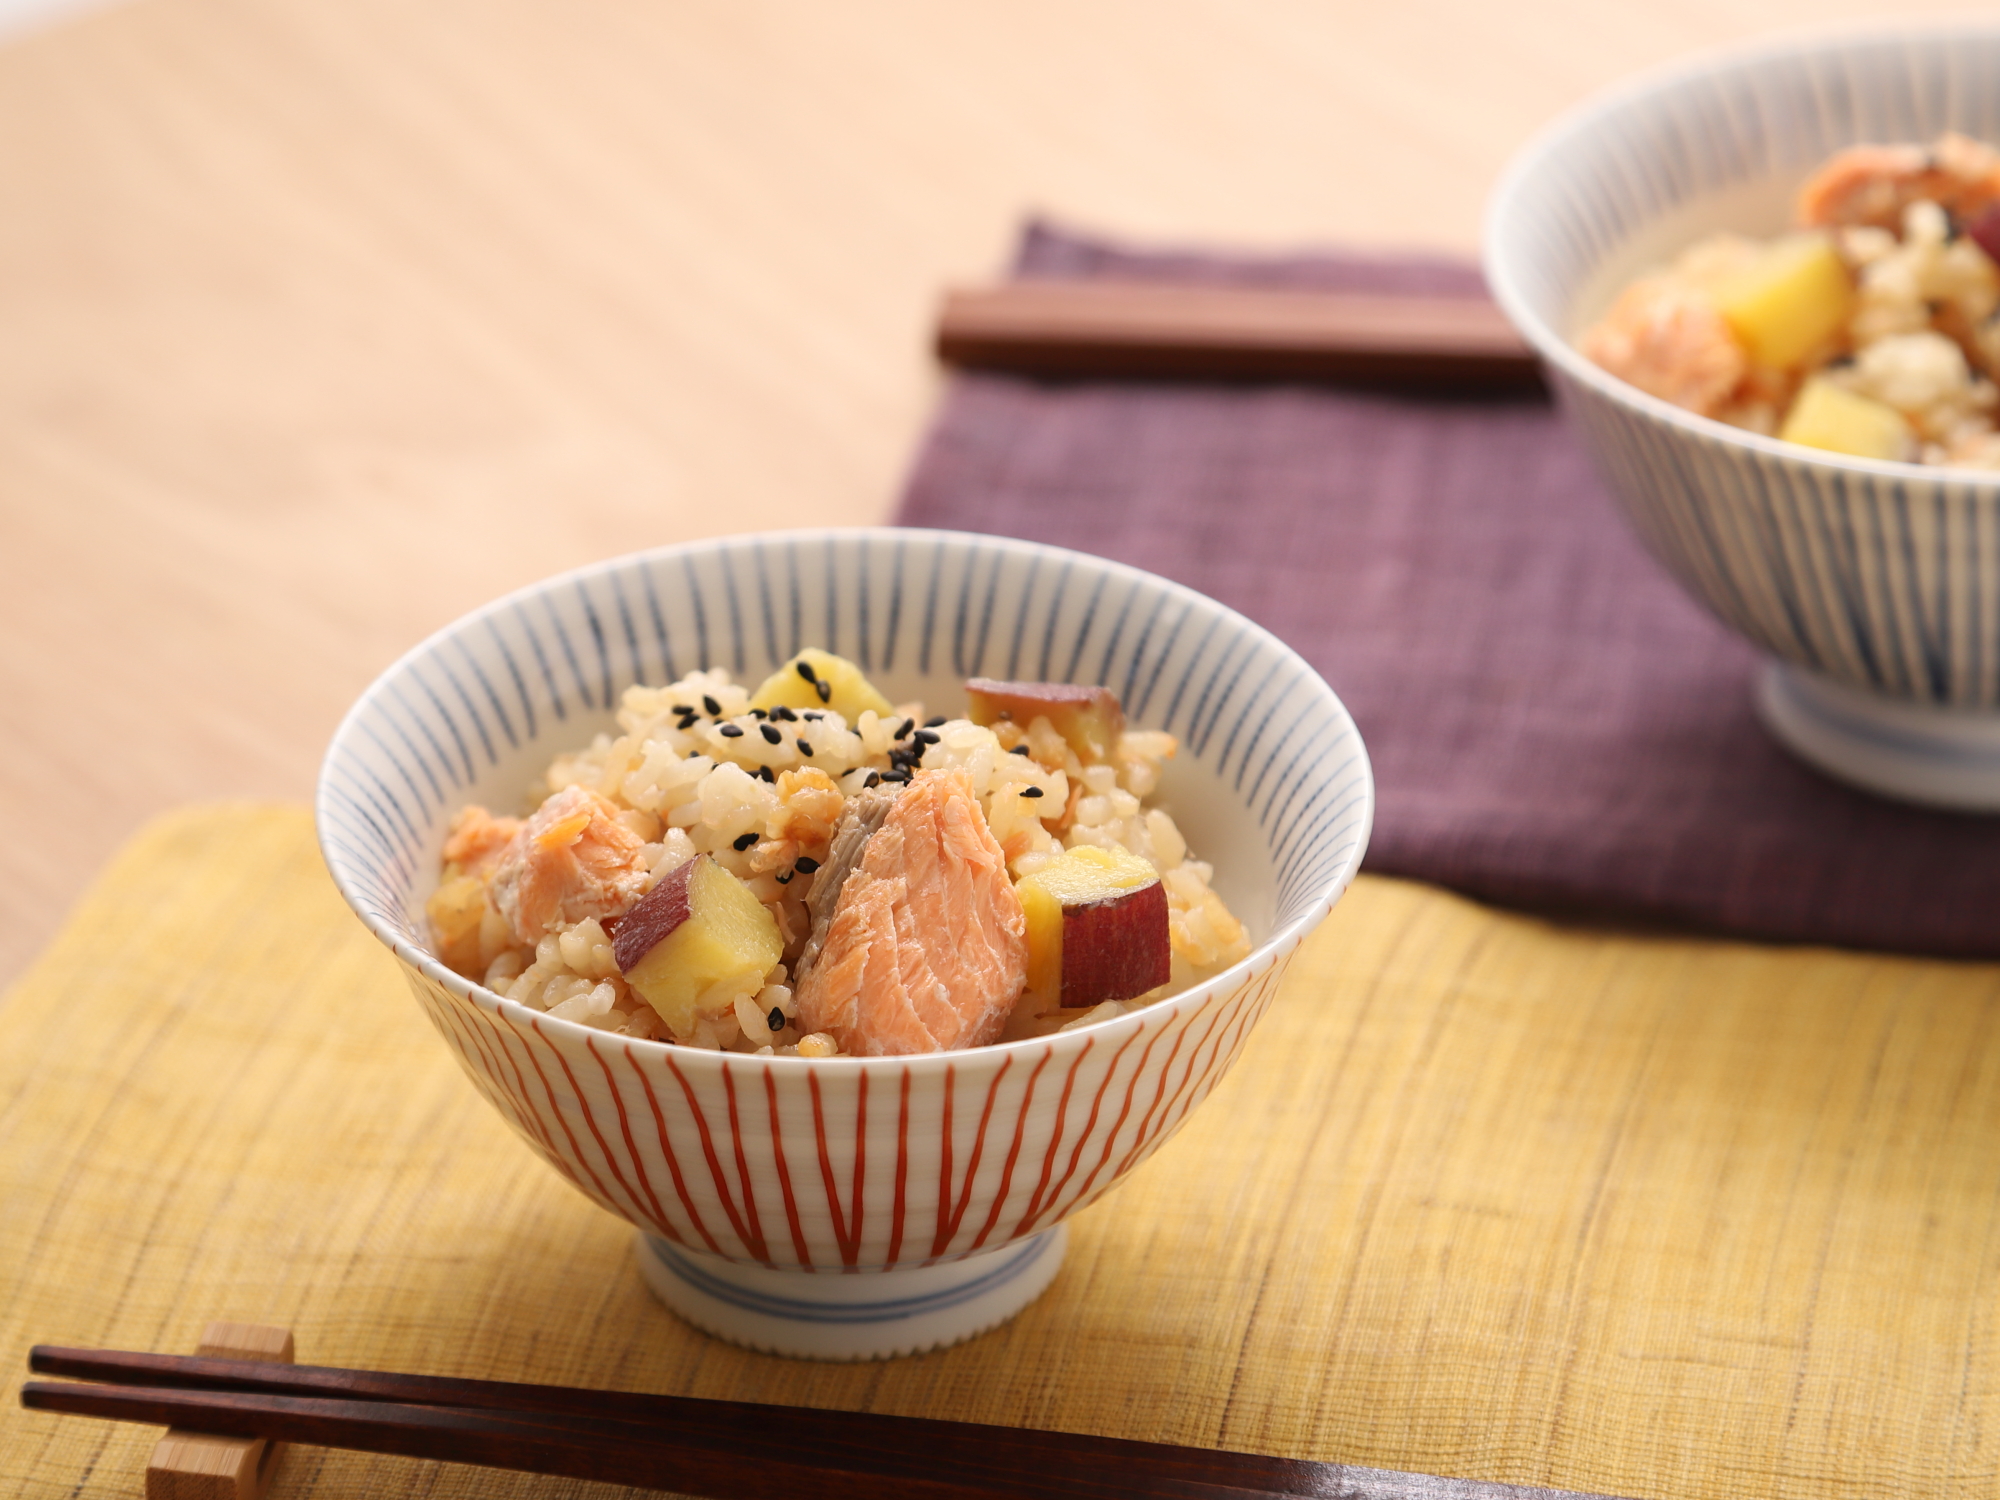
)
(326, 320)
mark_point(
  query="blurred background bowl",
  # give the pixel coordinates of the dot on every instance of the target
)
(758, 1184)
(1874, 588)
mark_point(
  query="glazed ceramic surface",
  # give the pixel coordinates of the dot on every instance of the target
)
(851, 1164)
(1876, 585)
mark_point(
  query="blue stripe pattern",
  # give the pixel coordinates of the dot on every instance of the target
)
(476, 712)
(1882, 576)
(1011, 1265)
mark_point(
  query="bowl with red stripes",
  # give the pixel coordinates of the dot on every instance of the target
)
(852, 1207)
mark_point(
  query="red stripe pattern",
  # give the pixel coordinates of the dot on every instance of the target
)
(866, 1163)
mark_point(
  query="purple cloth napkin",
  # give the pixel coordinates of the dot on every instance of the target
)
(1553, 723)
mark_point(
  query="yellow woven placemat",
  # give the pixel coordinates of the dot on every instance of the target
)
(1483, 1197)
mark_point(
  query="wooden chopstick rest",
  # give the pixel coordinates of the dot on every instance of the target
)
(1153, 330)
(202, 1466)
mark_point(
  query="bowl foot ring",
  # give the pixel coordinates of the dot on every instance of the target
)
(1913, 752)
(851, 1315)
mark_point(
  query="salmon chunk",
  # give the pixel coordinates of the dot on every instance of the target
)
(928, 946)
(860, 820)
(573, 859)
(478, 839)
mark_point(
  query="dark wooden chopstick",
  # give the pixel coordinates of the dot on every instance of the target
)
(725, 1449)
(1161, 330)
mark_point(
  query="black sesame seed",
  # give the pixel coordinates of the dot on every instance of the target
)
(758, 713)
(1018, 750)
(708, 702)
(825, 691)
(903, 729)
(683, 708)
(933, 723)
(805, 746)
(785, 877)
(805, 670)
(732, 731)
(927, 737)
(744, 841)
(896, 777)
(874, 779)
(768, 774)
(782, 712)
(688, 722)
(805, 864)
(1033, 791)
(811, 714)
(775, 1021)
(771, 734)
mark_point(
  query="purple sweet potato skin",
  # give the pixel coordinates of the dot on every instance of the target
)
(1043, 695)
(1116, 948)
(658, 913)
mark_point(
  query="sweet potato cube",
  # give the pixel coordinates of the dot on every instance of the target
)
(700, 925)
(1788, 301)
(1088, 718)
(819, 679)
(1097, 927)
(456, 910)
(1826, 416)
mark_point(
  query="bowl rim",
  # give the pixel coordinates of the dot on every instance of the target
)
(1273, 949)
(1497, 263)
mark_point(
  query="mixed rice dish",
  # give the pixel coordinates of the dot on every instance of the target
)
(1872, 330)
(804, 869)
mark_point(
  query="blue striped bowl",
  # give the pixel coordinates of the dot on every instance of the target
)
(943, 1181)
(1874, 587)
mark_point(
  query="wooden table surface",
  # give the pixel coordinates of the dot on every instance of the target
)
(324, 321)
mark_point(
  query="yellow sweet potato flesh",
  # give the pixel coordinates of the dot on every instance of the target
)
(456, 909)
(1826, 416)
(847, 691)
(728, 934)
(1791, 300)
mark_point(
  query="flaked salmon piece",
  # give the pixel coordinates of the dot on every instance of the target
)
(477, 839)
(928, 945)
(573, 859)
(864, 814)
(1671, 341)
(1871, 184)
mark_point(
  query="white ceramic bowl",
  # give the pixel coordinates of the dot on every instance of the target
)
(852, 1207)
(1874, 587)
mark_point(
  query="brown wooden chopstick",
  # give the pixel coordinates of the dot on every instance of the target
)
(1164, 330)
(725, 1449)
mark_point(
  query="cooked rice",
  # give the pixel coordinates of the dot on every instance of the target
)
(758, 802)
(1923, 338)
